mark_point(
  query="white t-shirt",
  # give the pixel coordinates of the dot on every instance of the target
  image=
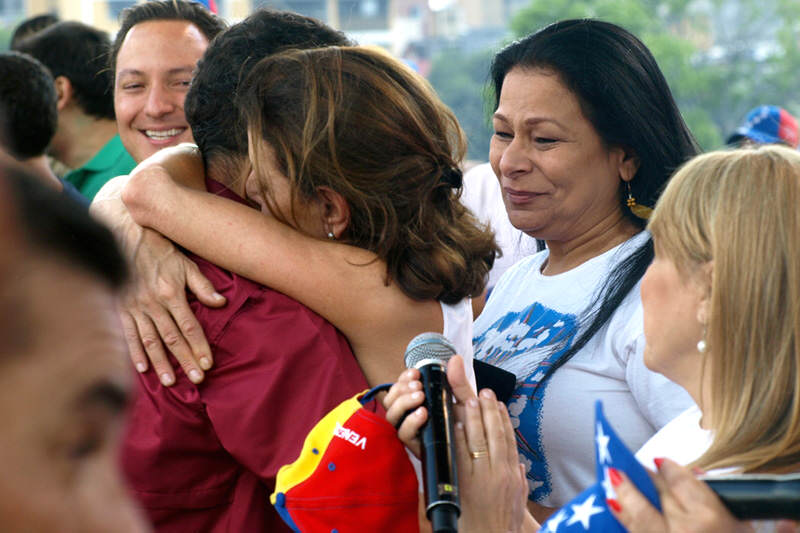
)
(482, 195)
(682, 440)
(458, 330)
(531, 319)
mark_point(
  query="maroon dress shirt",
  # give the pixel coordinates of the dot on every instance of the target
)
(203, 458)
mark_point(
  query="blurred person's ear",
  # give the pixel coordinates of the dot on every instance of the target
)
(65, 92)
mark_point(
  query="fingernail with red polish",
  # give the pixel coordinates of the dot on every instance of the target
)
(614, 504)
(613, 475)
(658, 461)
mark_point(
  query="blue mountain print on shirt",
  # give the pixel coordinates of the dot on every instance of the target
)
(517, 334)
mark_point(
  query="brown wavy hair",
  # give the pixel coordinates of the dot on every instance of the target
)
(363, 124)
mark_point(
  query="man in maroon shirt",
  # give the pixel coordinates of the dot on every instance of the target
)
(203, 457)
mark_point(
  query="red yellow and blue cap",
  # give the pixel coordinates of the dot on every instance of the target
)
(353, 475)
(768, 124)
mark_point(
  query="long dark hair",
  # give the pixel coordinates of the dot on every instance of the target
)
(624, 95)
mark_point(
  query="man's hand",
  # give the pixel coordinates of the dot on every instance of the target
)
(156, 312)
(155, 308)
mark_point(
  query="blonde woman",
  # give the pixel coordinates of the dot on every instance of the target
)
(722, 319)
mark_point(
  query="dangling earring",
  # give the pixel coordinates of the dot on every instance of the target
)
(701, 344)
(641, 211)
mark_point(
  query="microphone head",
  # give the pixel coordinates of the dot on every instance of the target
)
(428, 346)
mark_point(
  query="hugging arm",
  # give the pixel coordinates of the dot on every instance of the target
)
(155, 307)
(344, 284)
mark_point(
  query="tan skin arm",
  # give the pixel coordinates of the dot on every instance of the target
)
(154, 312)
(344, 284)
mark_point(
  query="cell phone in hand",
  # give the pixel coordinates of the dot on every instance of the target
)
(758, 496)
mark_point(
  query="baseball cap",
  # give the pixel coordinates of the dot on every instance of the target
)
(768, 124)
(353, 475)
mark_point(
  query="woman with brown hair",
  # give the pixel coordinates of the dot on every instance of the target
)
(355, 163)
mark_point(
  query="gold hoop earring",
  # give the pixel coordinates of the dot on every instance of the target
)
(641, 211)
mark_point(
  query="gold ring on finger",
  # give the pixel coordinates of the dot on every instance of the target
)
(479, 454)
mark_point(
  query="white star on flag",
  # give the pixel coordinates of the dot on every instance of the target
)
(608, 488)
(584, 512)
(602, 446)
(555, 520)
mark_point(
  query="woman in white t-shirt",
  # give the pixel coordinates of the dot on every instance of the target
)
(586, 135)
(722, 319)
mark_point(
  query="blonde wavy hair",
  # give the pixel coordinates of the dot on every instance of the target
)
(741, 210)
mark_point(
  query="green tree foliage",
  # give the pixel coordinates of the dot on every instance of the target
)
(5, 37)
(720, 57)
(460, 80)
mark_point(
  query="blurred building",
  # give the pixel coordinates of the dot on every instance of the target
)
(401, 26)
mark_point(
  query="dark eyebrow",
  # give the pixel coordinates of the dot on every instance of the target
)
(105, 394)
(180, 70)
(531, 121)
(129, 71)
(171, 72)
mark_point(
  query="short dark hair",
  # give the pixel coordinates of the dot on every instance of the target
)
(27, 105)
(208, 23)
(31, 26)
(57, 225)
(79, 53)
(217, 126)
(625, 97)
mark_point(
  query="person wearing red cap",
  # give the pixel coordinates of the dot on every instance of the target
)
(766, 124)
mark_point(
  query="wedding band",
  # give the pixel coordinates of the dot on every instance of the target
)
(476, 455)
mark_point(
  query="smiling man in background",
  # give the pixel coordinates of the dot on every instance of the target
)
(152, 58)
